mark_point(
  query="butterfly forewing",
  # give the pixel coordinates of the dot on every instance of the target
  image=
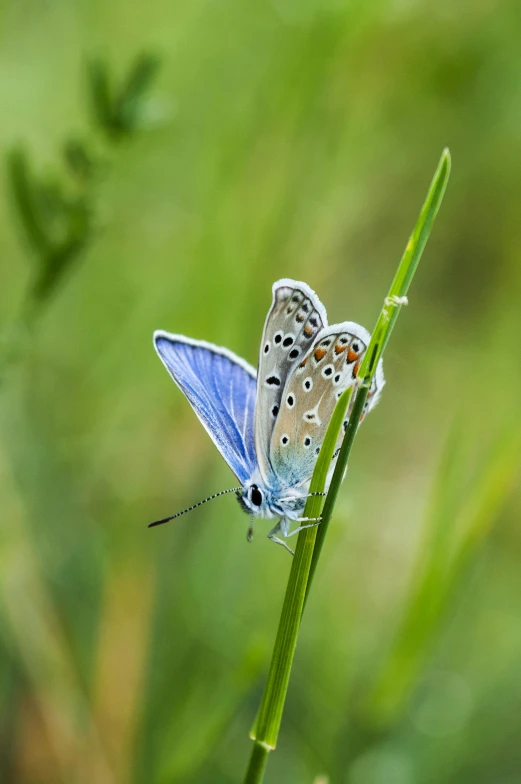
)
(221, 389)
(295, 319)
(309, 397)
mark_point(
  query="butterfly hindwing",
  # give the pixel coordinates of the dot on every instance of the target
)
(221, 389)
(295, 319)
(309, 397)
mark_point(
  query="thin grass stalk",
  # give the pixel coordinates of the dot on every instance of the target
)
(310, 541)
(268, 720)
(258, 761)
(392, 305)
(440, 568)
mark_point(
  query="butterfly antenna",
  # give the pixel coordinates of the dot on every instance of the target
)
(190, 508)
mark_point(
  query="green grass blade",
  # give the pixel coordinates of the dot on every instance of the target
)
(384, 325)
(267, 724)
(440, 568)
(268, 721)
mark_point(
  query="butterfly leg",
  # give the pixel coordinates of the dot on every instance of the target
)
(317, 520)
(274, 538)
(300, 497)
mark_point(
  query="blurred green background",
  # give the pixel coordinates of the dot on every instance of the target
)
(295, 138)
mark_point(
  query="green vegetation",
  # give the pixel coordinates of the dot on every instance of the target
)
(295, 139)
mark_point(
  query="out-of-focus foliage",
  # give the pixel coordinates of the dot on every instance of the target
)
(299, 140)
(57, 214)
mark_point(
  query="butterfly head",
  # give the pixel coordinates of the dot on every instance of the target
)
(257, 499)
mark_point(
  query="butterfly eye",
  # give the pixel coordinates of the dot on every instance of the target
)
(255, 495)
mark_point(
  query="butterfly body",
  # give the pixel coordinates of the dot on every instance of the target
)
(269, 424)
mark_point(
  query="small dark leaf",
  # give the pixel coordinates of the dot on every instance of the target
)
(61, 256)
(78, 159)
(128, 105)
(98, 83)
(27, 201)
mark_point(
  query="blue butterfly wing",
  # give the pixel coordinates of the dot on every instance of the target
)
(221, 388)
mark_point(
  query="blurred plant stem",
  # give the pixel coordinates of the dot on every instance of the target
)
(310, 541)
(33, 632)
(57, 217)
(458, 521)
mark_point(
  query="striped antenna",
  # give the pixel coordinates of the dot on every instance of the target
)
(190, 508)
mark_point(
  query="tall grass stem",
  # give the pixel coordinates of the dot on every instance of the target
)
(310, 541)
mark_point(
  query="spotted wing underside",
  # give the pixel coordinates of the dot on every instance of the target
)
(309, 398)
(295, 319)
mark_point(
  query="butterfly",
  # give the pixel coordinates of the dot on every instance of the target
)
(269, 424)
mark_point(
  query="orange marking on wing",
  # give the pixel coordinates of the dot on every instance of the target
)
(319, 354)
(303, 363)
(356, 369)
(352, 355)
(339, 349)
(308, 330)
